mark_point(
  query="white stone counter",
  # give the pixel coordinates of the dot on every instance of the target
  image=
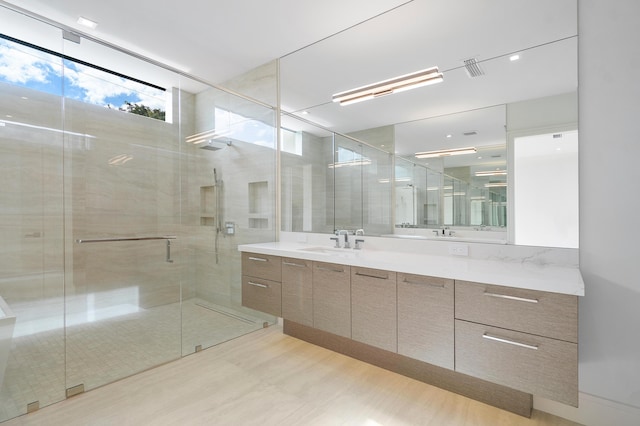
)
(512, 273)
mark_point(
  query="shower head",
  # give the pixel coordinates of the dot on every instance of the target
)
(213, 145)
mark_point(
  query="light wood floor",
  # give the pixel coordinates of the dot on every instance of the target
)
(267, 378)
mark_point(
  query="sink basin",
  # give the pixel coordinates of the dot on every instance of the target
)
(329, 250)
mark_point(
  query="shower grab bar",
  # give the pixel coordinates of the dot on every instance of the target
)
(108, 240)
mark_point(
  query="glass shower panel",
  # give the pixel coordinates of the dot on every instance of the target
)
(434, 206)
(460, 203)
(31, 222)
(123, 242)
(307, 197)
(228, 193)
(349, 161)
(406, 194)
(377, 172)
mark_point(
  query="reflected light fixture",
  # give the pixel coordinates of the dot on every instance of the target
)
(491, 173)
(495, 185)
(387, 87)
(446, 152)
(204, 137)
(360, 162)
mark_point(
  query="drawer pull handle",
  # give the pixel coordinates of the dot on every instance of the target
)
(505, 296)
(258, 259)
(257, 284)
(372, 276)
(423, 283)
(510, 342)
(322, 268)
(293, 264)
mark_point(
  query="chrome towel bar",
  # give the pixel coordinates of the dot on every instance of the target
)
(167, 238)
(108, 240)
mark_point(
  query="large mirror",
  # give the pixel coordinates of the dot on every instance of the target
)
(509, 71)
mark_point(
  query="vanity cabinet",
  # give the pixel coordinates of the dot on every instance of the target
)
(426, 319)
(261, 283)
(495, 343)
(530, 311)
(332, 298)
(373, 308)
(523, 339)
(297, 291)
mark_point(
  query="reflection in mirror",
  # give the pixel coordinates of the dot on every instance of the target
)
(546, 180)
(516, 60)
(306, 180)
(332, 181)
(467, 190)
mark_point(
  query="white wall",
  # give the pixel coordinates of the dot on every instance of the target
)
(609, 101)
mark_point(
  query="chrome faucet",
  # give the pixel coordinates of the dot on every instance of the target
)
(346, 237)
(337, 240)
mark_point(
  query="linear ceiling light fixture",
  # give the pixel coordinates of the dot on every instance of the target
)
(387, 87)
(446, 152)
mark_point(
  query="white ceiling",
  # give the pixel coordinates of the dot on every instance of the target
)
(213, 39)
(333, 45)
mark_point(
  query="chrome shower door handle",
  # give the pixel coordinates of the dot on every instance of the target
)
(168, 258)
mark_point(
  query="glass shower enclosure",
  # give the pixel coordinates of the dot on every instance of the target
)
(127, 187)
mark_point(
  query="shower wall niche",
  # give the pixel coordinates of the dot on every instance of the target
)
(208, 205)
(259, 205)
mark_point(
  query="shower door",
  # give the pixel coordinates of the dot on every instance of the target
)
(31, 221)
(122, 183)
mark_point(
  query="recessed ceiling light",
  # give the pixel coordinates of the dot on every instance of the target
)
(305, 112)
(513, 58)
(87, 23)
(449, 136)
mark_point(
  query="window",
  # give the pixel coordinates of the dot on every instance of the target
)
(40, 69)
(291, 142)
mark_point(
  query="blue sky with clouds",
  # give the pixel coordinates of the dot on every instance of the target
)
(28, 67)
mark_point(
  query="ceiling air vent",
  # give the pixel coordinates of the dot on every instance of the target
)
(473, 67)
(471, 133)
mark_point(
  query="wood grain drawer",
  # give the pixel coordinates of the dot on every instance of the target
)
(530, 311)
(533, 364)
(373, 308)
(332, 298)
(425, 319)
(297, 291)
(262, 295)
(262, 266)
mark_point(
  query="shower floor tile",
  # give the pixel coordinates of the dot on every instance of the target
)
(101, 352)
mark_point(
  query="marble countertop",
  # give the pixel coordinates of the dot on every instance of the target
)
(526, 275)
